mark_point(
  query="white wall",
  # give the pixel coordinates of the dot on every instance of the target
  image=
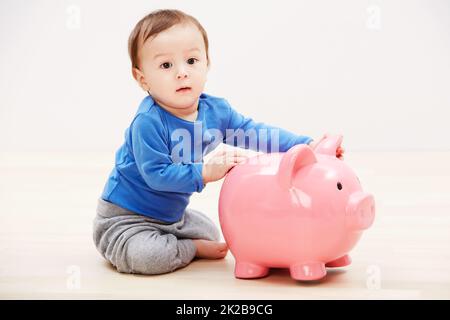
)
(376, 71)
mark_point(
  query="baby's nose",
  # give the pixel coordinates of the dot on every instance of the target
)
(182, 74)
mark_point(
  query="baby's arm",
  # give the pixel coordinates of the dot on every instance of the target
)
(265, 134)
(152, 157)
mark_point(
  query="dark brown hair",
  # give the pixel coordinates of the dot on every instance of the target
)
(155, 23)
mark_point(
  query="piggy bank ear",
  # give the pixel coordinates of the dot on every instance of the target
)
(297, 157)
(329, 144)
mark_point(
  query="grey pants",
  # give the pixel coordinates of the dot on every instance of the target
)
(135, 243)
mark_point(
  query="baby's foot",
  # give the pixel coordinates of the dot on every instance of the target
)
(210, 249)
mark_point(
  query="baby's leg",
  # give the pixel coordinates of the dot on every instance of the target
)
(204, 229)
(194, 225)
(152, 252)
(136, 244)
(201, 229)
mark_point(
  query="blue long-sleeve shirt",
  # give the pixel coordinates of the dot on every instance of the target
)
(160, 164)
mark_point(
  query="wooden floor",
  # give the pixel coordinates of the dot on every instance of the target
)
(48, 200)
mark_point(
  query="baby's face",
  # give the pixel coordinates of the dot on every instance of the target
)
(174, 59)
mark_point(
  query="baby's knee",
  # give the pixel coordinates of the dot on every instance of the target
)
(205, 228)
(153, 257)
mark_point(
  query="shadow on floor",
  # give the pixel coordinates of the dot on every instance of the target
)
(278, 276)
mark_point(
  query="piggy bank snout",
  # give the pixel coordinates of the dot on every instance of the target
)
(360, 211)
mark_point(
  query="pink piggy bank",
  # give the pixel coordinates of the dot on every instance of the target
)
(302, 209)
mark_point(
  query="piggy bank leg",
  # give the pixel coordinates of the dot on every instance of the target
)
(247, 270)
(308, 271)
(341, 262)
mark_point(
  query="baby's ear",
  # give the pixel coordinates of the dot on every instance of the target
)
(138, 75)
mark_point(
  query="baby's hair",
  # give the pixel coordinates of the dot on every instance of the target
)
(156, 22)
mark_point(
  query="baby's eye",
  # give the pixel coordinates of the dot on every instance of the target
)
(191, 60)
(166, 65)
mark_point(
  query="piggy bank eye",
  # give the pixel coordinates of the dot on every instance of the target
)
(339, 186)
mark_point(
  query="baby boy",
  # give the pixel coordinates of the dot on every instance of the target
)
(143, 224)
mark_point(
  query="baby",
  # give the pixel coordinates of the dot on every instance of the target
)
(143, 224)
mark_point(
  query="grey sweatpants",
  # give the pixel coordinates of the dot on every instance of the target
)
(135, 243)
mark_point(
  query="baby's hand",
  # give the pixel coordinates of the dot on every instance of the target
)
(339, 151)
(220, 163)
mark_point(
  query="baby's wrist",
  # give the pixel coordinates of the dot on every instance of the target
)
(205, 175)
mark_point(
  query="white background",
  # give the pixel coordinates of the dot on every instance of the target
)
(376, 71)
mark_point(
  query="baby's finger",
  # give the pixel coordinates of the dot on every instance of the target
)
(230, 159)
(218, 160)
(234, 160)
(220, 153)
(237, 152)
(230, 164)
(240, 159)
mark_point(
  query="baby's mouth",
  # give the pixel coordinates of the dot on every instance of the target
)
(184, 89)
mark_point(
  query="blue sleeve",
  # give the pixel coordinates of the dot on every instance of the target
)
(264, 136)
(154, 162)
